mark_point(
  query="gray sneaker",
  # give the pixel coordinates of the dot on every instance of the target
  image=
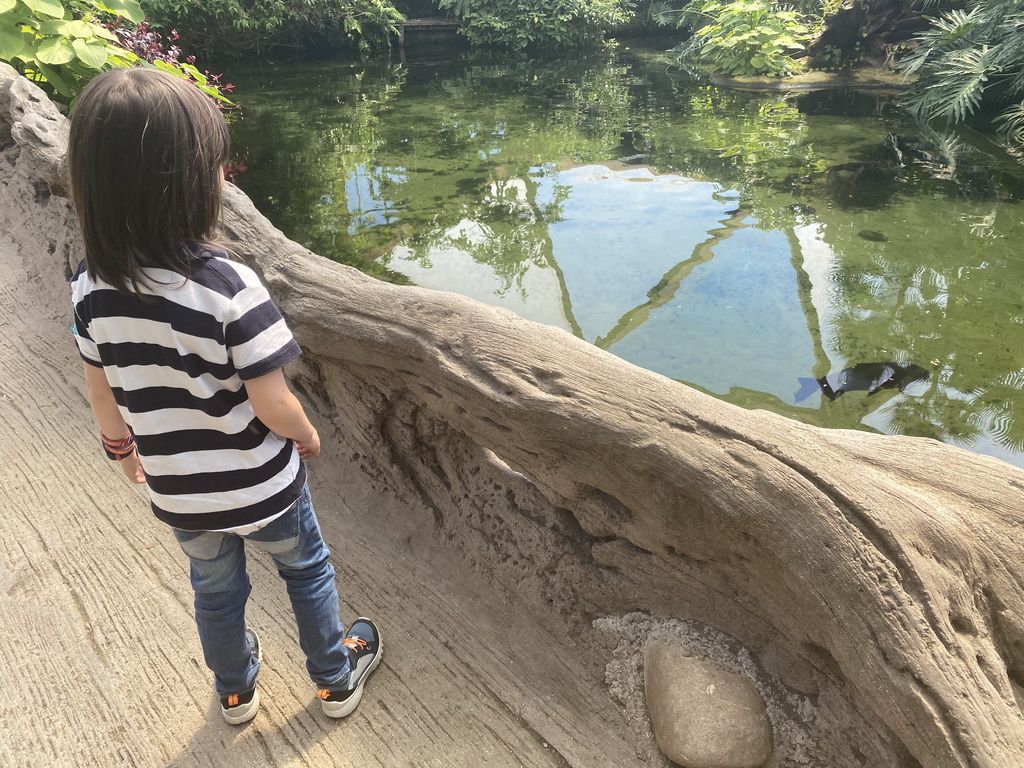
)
(238, 708)
(364, 651)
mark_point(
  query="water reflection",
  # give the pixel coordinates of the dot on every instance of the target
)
(736, 242)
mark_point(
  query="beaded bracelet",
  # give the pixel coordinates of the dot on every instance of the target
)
(117, 450)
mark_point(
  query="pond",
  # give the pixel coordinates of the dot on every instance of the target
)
(814, 255)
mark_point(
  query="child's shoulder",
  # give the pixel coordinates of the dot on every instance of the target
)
(213, 268)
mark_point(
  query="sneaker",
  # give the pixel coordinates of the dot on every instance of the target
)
(364, 651)
(239, 708)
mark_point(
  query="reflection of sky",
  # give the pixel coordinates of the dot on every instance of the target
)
(535, 295)
(619, 237)
(736, 318)
(366, 203)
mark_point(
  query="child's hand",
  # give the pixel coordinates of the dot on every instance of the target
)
(309, 449)
(132, 468)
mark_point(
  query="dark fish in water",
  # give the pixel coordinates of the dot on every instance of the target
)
(873, 236)
(863, 377)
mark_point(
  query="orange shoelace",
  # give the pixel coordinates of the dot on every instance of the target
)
(355, 643)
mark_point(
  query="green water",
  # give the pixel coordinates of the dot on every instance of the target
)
(737, 242)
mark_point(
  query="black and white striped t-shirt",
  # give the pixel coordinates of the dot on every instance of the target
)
(176, 359)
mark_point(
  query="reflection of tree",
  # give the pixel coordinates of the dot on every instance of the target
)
(307, 132)
(939, 302)
(665, 290)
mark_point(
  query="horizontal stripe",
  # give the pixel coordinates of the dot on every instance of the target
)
(149, 399)
(272, 363)
(159, 422)
(123, 331)
(197, 460)
(201, 503)
(193, 440)
(232, 518)
(251, 324)
(131, 353)
(112, 305)
(220, 482)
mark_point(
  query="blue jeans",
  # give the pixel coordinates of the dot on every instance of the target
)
(222, 587)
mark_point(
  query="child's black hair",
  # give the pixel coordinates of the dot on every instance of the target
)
(146, 155)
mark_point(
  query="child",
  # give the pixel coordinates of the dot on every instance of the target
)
(183, 354)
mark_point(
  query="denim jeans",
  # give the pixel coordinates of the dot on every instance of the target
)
(222, 587)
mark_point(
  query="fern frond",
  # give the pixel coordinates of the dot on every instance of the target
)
(1010, 124)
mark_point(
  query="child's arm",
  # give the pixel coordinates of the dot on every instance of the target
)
(109, 419)
(280, 410)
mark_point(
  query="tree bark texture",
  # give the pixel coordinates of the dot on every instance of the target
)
(889, 568)
(867, 30)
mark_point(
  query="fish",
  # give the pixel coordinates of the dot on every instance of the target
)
(863, 377)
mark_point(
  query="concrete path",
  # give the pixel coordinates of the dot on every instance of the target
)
(99, 660)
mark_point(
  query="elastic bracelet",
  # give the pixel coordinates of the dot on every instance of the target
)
(117, 450)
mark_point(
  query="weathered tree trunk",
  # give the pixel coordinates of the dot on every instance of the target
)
(889, 568)
(867, 31)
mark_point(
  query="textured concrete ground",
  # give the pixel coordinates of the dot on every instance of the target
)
(99, 660)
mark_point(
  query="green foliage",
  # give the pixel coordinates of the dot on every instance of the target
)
(971, 63)
(562, 24)
(834, 59)
(62, 44)
(745, 37)
(236, 28)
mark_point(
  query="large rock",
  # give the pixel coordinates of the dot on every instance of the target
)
(704, 717)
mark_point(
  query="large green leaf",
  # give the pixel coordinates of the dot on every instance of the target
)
(67, 28)
(130, 9)
(55, 50)
(7, 5)
(12, 42)
(53, 78)
(91, 54)
(52, 8)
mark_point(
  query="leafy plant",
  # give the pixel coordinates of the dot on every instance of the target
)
(63, 44)
(835, 59)
(561, 24)
(971, 63)
(745, 37)
(150, 47)
(236, 28)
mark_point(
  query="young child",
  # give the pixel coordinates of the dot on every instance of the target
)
(183, 354)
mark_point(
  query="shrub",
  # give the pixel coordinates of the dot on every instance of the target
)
(62, 44)
(745, 37)
(559, 24)
(236, 28)
(971, 63)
